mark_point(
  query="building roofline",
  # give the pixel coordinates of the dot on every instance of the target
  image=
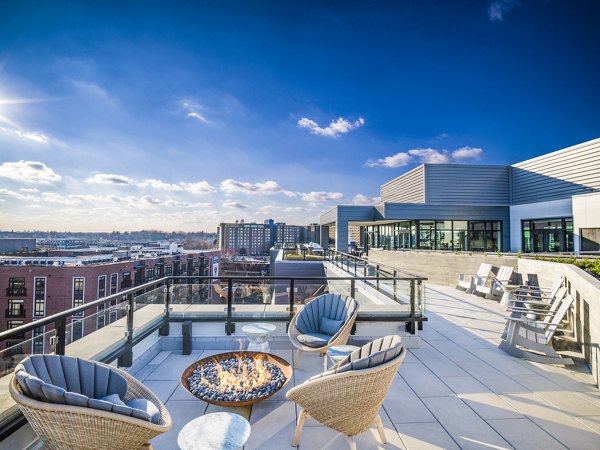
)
(556, 152)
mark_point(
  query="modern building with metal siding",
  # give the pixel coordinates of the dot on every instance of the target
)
(467, 184)
(524, 207)
(407, 188)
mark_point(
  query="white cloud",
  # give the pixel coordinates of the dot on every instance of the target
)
(397, 160)
(360, 199)
(467, 153)
(335, 128)
(230, 186)
(498, 8)
(158, 184)
(430, 156)
(111, 179)
(95, 91)
(233, 204)
(200, 118)
(200, 187)
(33, 136)
(320, 197)
(427, 156)
(33, 190)
(29, 172)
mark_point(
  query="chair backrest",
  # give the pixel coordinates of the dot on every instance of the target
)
(484, 270)
(557, 300)
(558, 317)
(504, 274)
(372, 354)
(332, 306)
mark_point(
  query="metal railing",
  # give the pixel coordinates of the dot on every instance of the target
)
(175, 296)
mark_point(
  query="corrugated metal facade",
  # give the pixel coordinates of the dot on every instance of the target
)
(461, 184)
(558, 175)
(407, 188)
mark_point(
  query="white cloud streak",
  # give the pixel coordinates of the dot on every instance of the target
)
(230, 186)
(465, 153)
(34, 172)
(335, 128)
(110, 179)
(498, 8)
(360, 199)
(320, 196)
(234, 204)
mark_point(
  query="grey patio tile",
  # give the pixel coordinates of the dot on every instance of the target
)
(243, 411)
(465, 385)
(425, 436)
(490, 406)
(424, 382)
(503, 362)
(563, 427)
(524, 434)
(273, 425)
(403, 406)
(144, 372)
(437, 362)
(468, 429)
(162, 389)
(570, 403)
(173, 366)
(181, 393)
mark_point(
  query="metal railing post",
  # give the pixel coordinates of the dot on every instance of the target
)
(395, 286)
(164, 328)
(411, 326)
(377, 273)
(126, 358)
(352, 287)
(291, 297)
(60, 338)
(229, 326)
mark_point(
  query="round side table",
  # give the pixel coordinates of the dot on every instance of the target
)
(215, 431)
(258, 335)
(509, 294)
(337, 353)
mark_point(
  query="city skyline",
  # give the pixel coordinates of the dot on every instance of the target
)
(181, 116)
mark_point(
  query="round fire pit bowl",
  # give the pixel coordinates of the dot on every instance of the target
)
(280, 363)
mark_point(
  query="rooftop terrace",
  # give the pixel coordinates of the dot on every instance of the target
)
(457, 390)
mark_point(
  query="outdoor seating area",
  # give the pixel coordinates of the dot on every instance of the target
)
(456, 390)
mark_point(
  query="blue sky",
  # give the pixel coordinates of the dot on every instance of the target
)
(178, 115)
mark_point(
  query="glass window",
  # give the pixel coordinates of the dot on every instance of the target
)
(427, 234)
(78, 292)
(101, 286)
(114, 280)
(547, 235)
(443, 235)
(16, 286)
(37, 345)
(39, 297)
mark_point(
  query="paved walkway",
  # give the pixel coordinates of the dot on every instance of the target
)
(456, 391)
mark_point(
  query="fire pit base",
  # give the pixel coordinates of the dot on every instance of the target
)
(230, 361)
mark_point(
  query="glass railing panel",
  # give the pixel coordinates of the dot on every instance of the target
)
(92, 335)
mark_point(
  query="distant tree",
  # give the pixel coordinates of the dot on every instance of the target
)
(243, 251)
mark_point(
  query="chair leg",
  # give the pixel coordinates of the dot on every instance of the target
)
(299, 427)
(351, 442)
(297, 358)
(380, 429)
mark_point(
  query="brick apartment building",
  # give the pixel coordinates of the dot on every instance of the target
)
(34, 288)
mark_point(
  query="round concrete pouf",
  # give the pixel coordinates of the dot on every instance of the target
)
(215, 431)
(258, 335)
(338, 352)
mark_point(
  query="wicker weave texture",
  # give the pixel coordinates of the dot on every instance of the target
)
(63, 427)
(347, 402)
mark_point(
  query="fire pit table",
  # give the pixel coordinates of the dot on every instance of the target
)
(236, 378)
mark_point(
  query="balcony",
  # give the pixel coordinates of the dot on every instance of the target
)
(125, 284)
(16, 292)
(455, 389)
(15, 312)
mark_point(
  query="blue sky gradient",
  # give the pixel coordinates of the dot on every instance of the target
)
(178, 115)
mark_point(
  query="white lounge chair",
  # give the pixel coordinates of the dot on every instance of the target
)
(467, 282)
(529, 294)
(532, 339)
(495, 290)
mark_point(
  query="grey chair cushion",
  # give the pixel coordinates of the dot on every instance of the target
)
(330, 326)
(314, 340)
(75, 399)
(103, 405)
(332, 306)
(144, 409)
(54, 394)
(73, 375)
(372, 354)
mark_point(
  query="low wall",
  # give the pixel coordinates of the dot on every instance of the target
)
(440, 267)
(585, 289)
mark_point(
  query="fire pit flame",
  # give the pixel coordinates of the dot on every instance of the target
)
(236, 378)
(246, 375)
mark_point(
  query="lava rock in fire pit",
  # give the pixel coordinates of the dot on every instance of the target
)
(236, 379)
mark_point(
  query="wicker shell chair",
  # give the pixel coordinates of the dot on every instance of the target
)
(339, 313)
(347, 398)
(64, 426)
